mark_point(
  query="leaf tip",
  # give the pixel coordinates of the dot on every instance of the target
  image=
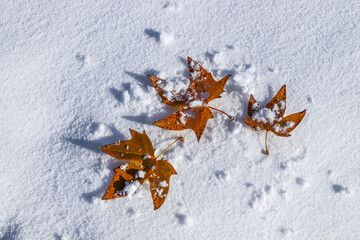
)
(102, 148)
(132, 131)
(283, 88)
(152, 78)
(105, 197)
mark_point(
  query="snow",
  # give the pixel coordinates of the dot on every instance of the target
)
(196, 103)
(163, 184)
(195, 74)
(264, 115)
(175, 89)
(73, 77)
(129, 190)
(167, 38)
(124, 166)
(140, 174)
(290, 124)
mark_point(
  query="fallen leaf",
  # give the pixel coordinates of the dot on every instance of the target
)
(193, 100)
(142, 165)
(270, 118)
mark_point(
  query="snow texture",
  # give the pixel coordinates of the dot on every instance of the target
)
(73, 77)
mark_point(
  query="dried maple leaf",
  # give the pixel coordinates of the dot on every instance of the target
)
(270, 118)
(142, 166)
(193, 100)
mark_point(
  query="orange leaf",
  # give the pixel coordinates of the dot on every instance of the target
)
(160, 181)
(142, 166)
(193, 100)
(190, 118)
(270, 118)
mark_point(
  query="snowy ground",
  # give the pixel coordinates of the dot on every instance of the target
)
(73, 77)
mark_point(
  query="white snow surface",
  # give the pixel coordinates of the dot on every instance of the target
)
(73, 77)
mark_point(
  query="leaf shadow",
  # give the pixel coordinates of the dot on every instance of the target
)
(226, 72)
(97, 193)
(93, 145)
(118, 94)
(269, 96)
(185, 72)
(147, 119)
(210, 55)
(12, 232)
(143, 79)
(152, 34)
(184, 61)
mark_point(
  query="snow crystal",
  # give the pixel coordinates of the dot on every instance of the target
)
(282, 105)
(277, 128)
(186, 114)
(196, 103)
(159, 192)
(183, 117)
(140, 174)
(146, 156)
(255, 106)
(196, 73)
(175, 89)
(163, 184)
(190, 113)
(275, 108)
(290, 124)
(124, 166)
(264, 115)
(194, 65)
(175, 84)
(129, 189)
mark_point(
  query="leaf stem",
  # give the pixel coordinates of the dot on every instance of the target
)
(267, 151)
(180, 138)
(231, 118)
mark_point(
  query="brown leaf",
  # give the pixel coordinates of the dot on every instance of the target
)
(190, 118)
(160, 181)
(270, 118)
(193, 101)
(142, 166)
